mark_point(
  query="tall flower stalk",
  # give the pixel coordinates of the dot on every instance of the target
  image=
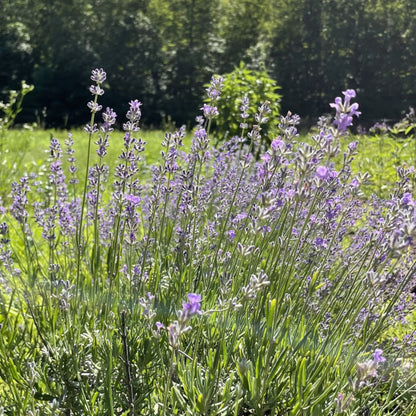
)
(98, 76)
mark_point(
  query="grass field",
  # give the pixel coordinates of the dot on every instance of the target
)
(27, 151)
(30, 147)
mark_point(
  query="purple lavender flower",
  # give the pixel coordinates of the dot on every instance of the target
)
(355, 183)
(102, 144)
(231, 234)
(209, 111)
(159, 327)
(407, 199)
(214, 90)
(98, 75)
(133, 199)
(20, 201)
(91, 129)
(348, 95)
(378, 358)
(133, 116)
(278, 144)
(94, 107)
(135, 107)
(96, 90)
(345, 111)
(352, 146)
(322, 172)
(320, 242)
(109, 117)
(192, 307)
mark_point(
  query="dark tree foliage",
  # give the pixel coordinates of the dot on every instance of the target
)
(189, 53)
(16, 53)
(320, 47)
(162, 52)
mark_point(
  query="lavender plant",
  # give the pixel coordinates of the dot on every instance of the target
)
(9, 111)
(221, 285)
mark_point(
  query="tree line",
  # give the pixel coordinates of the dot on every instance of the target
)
(163, 52)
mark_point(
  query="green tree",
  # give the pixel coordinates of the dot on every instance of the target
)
(190, 48)
(128, 45)
(244, 27)
(15, 48)
(319, 48)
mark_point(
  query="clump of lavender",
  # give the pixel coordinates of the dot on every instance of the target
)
(292, 264)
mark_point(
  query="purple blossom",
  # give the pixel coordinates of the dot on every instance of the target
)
(407, 199)
(159, 326)
(345, 111)
(98, 75)
(133, 116)
(102, 144)
(239, 217)
(209, 111)
(355, 183)
(91, 129)
(214, 90)
(94, 107)
(322, 172)
(109, 117)
(192, 307)
(378, 358)
(352, 146)
(349, 94)
(20, 201)
(278, 145)
(320, 242)
(96, 90)
(133, 199)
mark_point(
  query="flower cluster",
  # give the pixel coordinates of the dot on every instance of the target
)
(345, 111)
(181, 326)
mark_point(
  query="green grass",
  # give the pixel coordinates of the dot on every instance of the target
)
(26, 147)
(381, 156)
(26, 151)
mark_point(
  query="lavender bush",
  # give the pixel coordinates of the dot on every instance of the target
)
(222, 285)
(9, 110)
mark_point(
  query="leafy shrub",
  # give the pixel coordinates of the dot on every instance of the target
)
(222, 285)
(13, 106)
(243, 92)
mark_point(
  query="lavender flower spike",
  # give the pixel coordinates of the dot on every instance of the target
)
(378, 358)
(322, 172)
(192, 307)
(345, 111)
(98, 75)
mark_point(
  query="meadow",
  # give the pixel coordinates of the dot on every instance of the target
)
(26, 150)
(150, 273)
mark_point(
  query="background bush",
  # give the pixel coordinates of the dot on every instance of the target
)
(257, 87)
